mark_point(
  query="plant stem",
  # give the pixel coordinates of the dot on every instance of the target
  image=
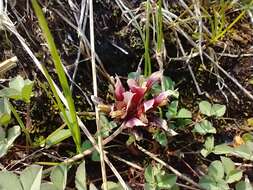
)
(160, 44)
(21, 124)
(232, 24)
(75, 130)
(147, 65)
(95, 93)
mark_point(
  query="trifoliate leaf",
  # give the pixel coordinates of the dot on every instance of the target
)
(58, 176)
(218, 110)
(204, 127)
(9, 181)
(80, 179)
(205, 108)
(216, 170)
(184, 113)
(31, 177)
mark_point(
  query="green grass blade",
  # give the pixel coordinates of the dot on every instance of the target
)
(147, 65)
(21, 124)
(159, 27)
(60, 72)
(222, 33)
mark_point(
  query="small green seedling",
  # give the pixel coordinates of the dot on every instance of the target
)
(80, 179)
(161, 138)
(95, 155)
(204, 126)
(244, 151)
(6, 141)
(216, 110)
(220, 175)
(5, 111)
(157, 179)
(31, 178)
(19, 89)
(106, 125)
(208, 146)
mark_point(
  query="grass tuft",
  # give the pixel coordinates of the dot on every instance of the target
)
(71, 120)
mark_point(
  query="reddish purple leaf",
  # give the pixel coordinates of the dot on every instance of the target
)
(161, 99)
(133, 108)
(128, 100)
(119, 90)
(131, 83)
(155, 77)
(159, 122)
(134, 122)
(148, 104)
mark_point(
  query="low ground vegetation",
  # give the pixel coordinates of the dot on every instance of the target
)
(126, 95)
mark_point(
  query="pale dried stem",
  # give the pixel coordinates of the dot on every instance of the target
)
(216, 63)
(95, 93)
(196, 4)
(188, 64)
(89, 151)
(8, 64)
(10, 26)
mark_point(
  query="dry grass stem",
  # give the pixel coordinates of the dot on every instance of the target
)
(95, 93)
(8, 64)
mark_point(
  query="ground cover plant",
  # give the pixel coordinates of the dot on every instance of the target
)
(126, 95)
